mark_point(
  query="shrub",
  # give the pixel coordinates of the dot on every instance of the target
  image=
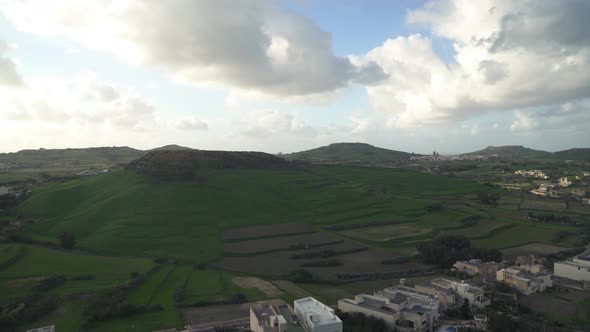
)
(67, 240)
(48, 283)
(300, 276)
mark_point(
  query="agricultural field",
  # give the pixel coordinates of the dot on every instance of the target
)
(34, 263)
(124, 213)
(280, 243)
(521, 234)
(543, 205)
(237, 234)
(272, 257)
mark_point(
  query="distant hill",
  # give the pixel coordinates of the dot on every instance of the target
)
(171, 147)
(191, 164)
(84, 156)
(348, 152)
(513, 152)
(105, 156)
(574, 154)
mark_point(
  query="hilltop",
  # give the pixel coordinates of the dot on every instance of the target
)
(171, 147)
(46, 157)
(574, 154)
(107, 156)
(513, 152)
(348, 152)
(193, 164)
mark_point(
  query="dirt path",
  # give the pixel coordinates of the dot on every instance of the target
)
(264, 286)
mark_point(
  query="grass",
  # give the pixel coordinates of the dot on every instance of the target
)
(119, 214)
(122, 213)
(17, 279)
(159, 289)
(42, 262)
(520, 234)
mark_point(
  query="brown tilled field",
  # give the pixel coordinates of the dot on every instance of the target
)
(280, 242)
(280, 263)
(265, 230)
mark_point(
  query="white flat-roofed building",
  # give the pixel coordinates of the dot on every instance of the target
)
(44, 329)
(4, 190)
(576, 268)
(316, 316)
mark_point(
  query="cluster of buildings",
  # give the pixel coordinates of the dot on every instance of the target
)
(485, 271)
(408, 309)
(533, 173)
(546, 189)
(527, 279)
(401, 307)
(438, 157)
(309, 315)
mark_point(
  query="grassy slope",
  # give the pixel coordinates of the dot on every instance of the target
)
(104, 155)
(120, 213)
(515, 152)
(349, 152)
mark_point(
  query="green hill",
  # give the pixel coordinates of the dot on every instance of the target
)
(348, 152)
(171, 147)
(574, 154)
(58, 157)
(124, 213)
(513, 152)
(195, 164)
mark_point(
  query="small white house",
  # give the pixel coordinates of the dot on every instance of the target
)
(4, 190)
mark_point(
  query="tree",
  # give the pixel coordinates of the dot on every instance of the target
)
(487, 198)
(67, 240)
(300, 275)
(466, 310)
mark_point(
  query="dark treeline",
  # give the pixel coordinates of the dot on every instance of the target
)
(444, 251)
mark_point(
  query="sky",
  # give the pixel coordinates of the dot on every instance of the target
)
(289, 75)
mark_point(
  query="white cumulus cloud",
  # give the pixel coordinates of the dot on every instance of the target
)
(252, 45)
(9, 75)
(509, 55)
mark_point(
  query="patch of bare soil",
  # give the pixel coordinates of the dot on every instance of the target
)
(252, 282)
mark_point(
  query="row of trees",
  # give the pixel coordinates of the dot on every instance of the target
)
(444, 251)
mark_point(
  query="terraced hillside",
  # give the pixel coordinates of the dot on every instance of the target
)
(348, 152)
(193, 239)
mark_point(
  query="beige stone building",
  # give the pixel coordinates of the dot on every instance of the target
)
(451, 293)
(403, 308)
(266, 318)
(486, 270)
(526, 279)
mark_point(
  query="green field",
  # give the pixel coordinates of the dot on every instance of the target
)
(122, 222)
(17, 279)
(122, 213)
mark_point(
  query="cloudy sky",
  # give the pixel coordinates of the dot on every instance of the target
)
(288, 75)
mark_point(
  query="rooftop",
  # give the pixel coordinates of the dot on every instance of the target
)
(43, 329)
(321, 314)
(263, 312)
